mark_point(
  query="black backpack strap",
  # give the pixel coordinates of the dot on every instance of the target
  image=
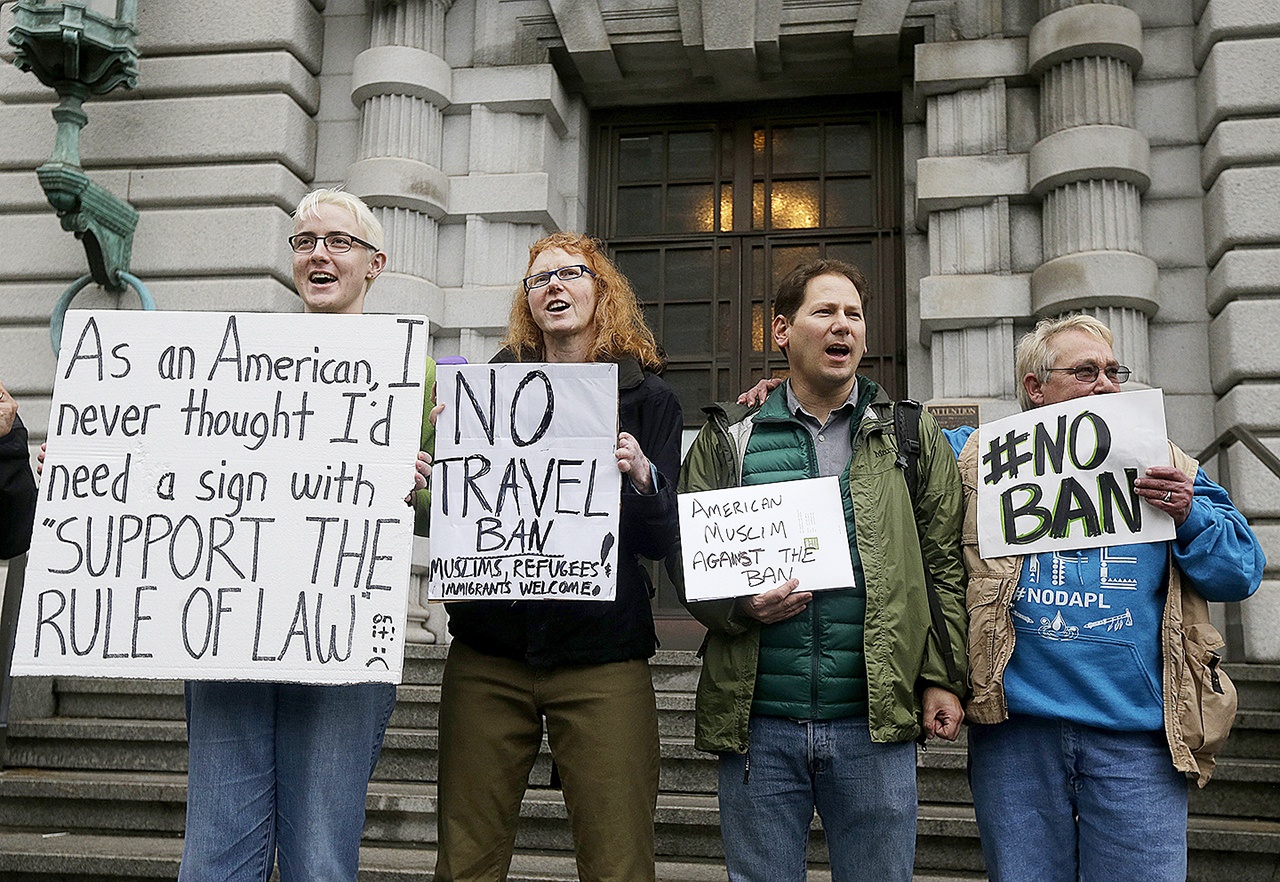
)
(906, 428)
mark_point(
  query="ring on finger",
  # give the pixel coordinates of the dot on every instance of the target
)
(1168, 496)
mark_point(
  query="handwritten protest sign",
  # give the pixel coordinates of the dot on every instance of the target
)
(223, 498)
(525, 486)
(746, 540)
(1061, 476)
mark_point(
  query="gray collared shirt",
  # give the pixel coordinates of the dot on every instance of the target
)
(833, 439)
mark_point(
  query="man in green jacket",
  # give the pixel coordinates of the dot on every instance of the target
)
(813, 700)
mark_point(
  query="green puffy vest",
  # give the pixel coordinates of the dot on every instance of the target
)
(811, 666)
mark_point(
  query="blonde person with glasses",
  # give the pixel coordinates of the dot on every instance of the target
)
(580, 666)
(280, 770)
(1088, 717)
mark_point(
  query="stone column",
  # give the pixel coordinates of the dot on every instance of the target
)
(402, 84)
(971, 295)
(1090, 168)
(1237, 51)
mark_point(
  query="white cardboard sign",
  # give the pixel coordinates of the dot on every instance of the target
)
(525, 485)
(743, 541)
(223, 498)
(1061, 476)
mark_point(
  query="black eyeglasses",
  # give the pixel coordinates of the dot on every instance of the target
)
(564, 274)
(336, 243)
(1088, 373)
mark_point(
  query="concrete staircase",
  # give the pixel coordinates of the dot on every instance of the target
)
(94, 787)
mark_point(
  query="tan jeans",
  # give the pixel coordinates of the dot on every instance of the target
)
(602, 725)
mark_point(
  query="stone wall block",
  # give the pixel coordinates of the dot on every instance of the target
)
(1242, 339)
(399, 293)
(1253, 406)
(296, 26)
(1188, 417)
(37, 248)
(1180, 359)
(1084, 279)
(209, 185)
(1255, 491)
(29, 362)
(1081, 31)
(972, 300)
(1175, 173)
(1258, 617)
(1242, 208)
(1181, 295)
(515, 198)
(1167, 52)
(1244, 273)
(1239, 142)
(967, 64)
(1234, 20)
(1087, 153)
(1173, 231)
(1238, 79)
(172, 131)
(945, 182)
(1166, 111)
(530, 88)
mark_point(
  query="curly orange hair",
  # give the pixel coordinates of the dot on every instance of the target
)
(620, 326)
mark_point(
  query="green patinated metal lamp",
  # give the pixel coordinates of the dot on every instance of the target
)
(80, 52)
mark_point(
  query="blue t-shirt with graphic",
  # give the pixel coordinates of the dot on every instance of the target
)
(1088, 621)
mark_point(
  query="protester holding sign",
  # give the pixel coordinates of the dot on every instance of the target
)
(813, 699)
(582, 665)
(280, 770)
(17, 486)
(1095, 671)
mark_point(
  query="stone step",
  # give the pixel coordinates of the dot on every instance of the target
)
(417, 705)
(1258, 685)
(1219, 848)
(79, 857)
(399, 813)
(1244, 785)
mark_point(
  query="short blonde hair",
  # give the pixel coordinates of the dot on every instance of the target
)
(367, 226)
(620, 325)
(1036, 354)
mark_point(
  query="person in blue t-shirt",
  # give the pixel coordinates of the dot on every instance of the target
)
(1096, 687)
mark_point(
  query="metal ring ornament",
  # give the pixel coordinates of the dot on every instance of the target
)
(1168, 496)
(64, 303)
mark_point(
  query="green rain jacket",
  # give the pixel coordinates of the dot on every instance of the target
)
(902, 653)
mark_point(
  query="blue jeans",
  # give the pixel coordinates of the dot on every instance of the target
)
(279, 766)
(865, 794)
(1059, 802)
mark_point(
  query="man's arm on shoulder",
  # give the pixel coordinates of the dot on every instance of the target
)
(938, 519)
(1215, 548)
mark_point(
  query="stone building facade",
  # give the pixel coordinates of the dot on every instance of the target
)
(1027, 158)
